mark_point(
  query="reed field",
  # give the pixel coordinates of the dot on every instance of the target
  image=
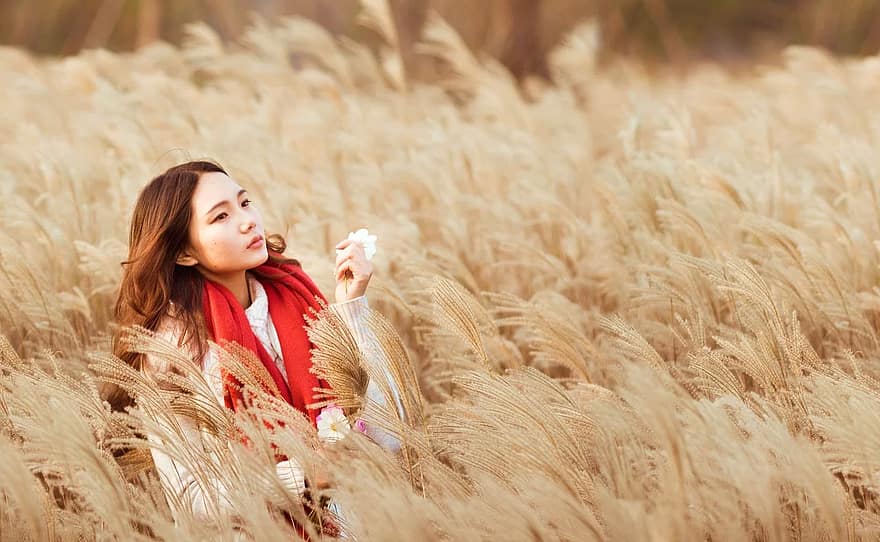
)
(626, 306)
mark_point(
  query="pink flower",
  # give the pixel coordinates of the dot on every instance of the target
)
(360, 426)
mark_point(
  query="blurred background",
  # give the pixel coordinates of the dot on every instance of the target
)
(517, 32)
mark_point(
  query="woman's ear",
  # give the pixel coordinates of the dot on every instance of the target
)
(185, 259)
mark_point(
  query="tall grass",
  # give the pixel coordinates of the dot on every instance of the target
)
(627, 307)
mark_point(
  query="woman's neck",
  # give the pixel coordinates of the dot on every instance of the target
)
(236, 283)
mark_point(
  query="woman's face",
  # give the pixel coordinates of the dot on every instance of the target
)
(223, 228)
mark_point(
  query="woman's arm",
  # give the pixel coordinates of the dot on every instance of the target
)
(354, 312)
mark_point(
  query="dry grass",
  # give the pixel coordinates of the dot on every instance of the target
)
(625, 308)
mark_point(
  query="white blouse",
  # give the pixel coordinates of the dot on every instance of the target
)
(178, 482)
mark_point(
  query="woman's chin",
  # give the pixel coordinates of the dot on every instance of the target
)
(260, 259)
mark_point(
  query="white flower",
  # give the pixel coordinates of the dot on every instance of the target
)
(332, 424)
(366, 240)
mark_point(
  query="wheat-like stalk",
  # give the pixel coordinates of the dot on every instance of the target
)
(337, 359)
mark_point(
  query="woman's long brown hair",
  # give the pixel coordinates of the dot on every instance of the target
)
(151, 278)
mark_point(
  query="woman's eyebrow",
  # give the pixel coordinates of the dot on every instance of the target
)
(225, 202)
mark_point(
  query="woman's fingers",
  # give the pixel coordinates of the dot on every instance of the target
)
(347, 243)
(342, 256)
(342, 268)
(351, 250)
(351, 261)
(358, 269)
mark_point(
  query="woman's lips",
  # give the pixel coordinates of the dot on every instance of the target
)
(257, 242)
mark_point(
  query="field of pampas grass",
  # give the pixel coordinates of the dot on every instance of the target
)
(627, 306)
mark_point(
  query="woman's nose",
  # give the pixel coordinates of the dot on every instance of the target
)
(248, 225)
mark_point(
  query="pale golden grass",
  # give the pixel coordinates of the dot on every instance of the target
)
(625, 307)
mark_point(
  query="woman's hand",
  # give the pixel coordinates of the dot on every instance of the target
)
(351, 264)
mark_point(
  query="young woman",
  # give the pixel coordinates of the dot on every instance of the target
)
(201, 267)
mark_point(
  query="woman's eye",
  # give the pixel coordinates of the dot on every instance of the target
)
(246, 203)
(221, 216)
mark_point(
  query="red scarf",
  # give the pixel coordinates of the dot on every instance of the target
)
(290, 294)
